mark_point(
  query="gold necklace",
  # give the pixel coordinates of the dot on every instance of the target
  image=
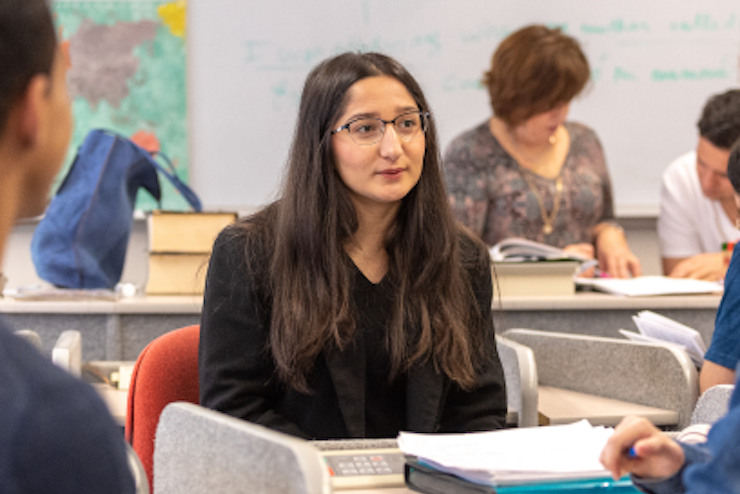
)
(547, 219)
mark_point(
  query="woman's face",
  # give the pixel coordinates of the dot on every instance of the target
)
(383, 172)
(539, 128)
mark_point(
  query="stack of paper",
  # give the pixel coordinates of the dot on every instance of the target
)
(655, 328)
(514, 456)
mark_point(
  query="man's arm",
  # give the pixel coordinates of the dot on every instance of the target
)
(710, 266)
(713, 374)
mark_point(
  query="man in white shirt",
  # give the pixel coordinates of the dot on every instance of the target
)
(697, 208)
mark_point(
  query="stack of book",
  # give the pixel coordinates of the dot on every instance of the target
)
(524, 267)
(179, 249)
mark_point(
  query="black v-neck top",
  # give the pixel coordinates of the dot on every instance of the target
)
(385, 399)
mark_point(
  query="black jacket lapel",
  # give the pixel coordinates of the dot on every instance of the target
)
(347, 370)
(424, 394)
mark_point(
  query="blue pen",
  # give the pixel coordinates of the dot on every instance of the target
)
(632, 453)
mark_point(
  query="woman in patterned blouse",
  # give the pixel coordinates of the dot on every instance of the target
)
(526, 172)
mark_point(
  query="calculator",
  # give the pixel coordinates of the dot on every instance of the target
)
(365, 468)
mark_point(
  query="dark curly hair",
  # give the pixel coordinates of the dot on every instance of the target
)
(720, 119)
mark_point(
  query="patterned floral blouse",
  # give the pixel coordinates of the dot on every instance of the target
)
(489, 194)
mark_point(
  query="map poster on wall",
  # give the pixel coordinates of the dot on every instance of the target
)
(128, 75)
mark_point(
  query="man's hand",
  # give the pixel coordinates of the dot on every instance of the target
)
(710, 266)
(655, 454)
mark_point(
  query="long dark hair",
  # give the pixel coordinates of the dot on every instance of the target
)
(435, 314)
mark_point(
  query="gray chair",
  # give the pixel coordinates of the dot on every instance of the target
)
(137, 470)
(67, 352)
(520, 374)
(197, 450)
(641, 373)
(713, 404)
(32, 337)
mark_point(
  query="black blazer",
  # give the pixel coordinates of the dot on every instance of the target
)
(237, 374)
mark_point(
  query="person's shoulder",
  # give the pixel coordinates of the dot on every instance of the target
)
(252, 233)
(33, 378)
(580, 132)
(472, 248)
(470, 138)
(683, 165)
(44, 402)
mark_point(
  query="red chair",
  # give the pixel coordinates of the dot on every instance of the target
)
(166, 371)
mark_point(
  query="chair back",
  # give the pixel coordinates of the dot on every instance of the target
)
(643, 373)
(203, 451)
(520, 374)
(713, 404)
(31, 337)
(166, 371)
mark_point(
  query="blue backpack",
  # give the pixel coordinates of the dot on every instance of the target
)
(82, 239)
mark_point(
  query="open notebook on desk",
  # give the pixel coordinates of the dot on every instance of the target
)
(643, 286)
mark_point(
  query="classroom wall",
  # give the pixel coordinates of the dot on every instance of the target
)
(654, 64)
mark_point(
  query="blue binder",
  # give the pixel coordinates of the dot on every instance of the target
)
(423, 478)
(603, 485)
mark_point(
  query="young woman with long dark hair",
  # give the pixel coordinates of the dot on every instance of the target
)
(355, 305)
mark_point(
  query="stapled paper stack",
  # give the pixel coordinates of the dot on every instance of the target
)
(179, 249)
(510, 460)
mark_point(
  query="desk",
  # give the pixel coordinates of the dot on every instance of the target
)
(562, 406)
(601, 314)
(119, 330)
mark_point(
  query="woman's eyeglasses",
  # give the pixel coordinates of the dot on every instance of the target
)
(366, 131)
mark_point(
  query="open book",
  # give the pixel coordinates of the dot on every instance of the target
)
(521, 249)
(513, 456)
(655, 328)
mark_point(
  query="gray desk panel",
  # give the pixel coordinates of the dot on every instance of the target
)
(50, 326)
(599, 322)
(137, 330)
(104, 336)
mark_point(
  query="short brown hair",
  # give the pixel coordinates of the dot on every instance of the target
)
(534, 70)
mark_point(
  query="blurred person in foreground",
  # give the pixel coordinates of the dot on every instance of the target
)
(659, 464)
(57, 436)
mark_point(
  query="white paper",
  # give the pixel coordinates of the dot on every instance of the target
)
(643, 286)
(663, 328)
(639, 337)
(511, 455)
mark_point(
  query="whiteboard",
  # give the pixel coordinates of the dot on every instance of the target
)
(654, 64)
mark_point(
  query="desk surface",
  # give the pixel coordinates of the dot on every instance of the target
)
(562, 406)
(194, 304)
(601, 301)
